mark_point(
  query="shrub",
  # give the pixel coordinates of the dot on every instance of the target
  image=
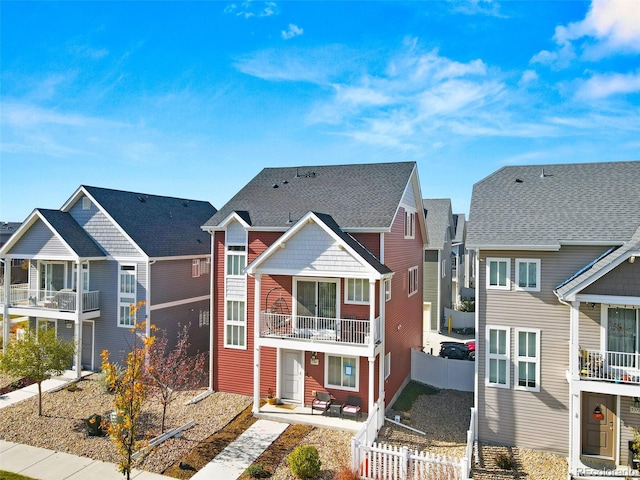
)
(257, 471)
(504, 461)
(304, 461)
(345, 472)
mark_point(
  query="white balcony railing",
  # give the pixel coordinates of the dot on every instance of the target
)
(21, 296)
(319, 329)
(608, 366)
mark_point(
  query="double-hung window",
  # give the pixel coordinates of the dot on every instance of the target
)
(235, 324)
(126, 295)
(497, 366)
(357, 291)
(342, 372)
(236, 260)
(498, 273)
(528, 274)
(528, 360)
(413, 281)
(387, 290)
(409, 224)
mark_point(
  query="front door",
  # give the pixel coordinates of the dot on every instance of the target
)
(599, 424)
(87, 345)
(292, 375)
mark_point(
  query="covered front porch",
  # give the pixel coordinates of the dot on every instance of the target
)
(302, 415)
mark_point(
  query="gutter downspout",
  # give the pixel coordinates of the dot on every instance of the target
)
(212, 317)
(6, 321)
(476, 403)
(148, 299)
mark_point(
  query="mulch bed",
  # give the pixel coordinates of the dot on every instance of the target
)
(17, 385)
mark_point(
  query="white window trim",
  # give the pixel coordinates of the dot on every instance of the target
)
(517, 283)
(85, 273)
(239, 253)
(226, 322)
(127, 295)
(365, 287)
(519, 358)
(86, 203)
(195, 268)
(507, 285)
(409, 223)
(410, 292)
(387, 289)
(387, 365)
(496, 356)
(340, 387)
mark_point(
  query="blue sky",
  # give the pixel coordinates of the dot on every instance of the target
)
(193, 99)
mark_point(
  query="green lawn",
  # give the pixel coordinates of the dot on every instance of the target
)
(13, 476)
(412, 391)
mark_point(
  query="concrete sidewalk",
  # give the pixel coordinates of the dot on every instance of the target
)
(32, 390)
(242, 452)
(45, 464)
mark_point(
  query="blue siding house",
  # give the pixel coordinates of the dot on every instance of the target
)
(103, 251)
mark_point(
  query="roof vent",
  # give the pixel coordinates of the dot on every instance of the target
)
(275, 185)
(289, 221)
(518, 180)
(141, 199)
(285, 182)
(542, 174)
(185, 203)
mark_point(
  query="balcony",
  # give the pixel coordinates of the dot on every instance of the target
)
(349, 331)
(616, 367)
(65, 300)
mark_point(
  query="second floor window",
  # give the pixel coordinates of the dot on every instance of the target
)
(497, 366)
(528, 274)
(357, 290)
(498, 270)
(413, 281)
(126, 295)
(409, 224)
(236, 260)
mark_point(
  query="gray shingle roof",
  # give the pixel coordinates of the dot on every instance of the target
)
(359, 196)
(460, 227)
(72, 233)
(572, 203)
(594, 268)
(438, 216)
(161, 226)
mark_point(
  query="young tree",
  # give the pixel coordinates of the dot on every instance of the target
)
(130, 392)
(38, 355)
(168, 372)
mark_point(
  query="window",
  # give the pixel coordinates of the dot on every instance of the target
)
(236, 260)
(528, 274)
(622, 336)
(126, 295)
(387, 365)
(387, 290)
(444, 268)
(235, 324)
(528, 360)
(203, 318)
(497, 369)
(85, 277)
(409, 224)
(498, 270)
(342, 372)
(199, 266)
(86, 203)
(357, 291)
(413, 280)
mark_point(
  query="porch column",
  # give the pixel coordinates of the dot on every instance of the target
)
(372, 400)
(6, 321)
(256, 345)
(372, 310)
(574, 429)
(574, 340)
(78, 319)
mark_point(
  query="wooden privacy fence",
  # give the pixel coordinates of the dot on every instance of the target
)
(389, 462)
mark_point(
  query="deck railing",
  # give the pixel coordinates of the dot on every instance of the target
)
(320, 329)
(618, 367)
(21, 296)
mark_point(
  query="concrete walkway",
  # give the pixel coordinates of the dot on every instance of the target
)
(32, 390)
(45, 464)
(242, 452)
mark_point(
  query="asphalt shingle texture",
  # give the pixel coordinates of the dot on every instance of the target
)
(72, 233)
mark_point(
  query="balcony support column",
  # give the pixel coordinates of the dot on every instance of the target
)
(372, 400)
(256, 345)
(6, 321)
(78, 339)
(372, 312)
(574, 340)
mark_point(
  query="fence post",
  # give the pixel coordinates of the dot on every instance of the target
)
(355, 454)
(405, 463)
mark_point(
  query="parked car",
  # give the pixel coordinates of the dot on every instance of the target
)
(458, 350)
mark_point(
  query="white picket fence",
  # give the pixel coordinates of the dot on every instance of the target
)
(376, 461)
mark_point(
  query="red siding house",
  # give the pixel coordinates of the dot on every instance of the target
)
(317, 283)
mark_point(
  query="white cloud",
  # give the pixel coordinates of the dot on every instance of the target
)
(610, 27)
(528, 77)
(477, 7)
(251, 8)
(292, 31)
(602, 86)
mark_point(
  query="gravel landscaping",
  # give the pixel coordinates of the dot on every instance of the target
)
(443, 416)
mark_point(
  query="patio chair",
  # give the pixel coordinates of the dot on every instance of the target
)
(353, 407)
(321, 402)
